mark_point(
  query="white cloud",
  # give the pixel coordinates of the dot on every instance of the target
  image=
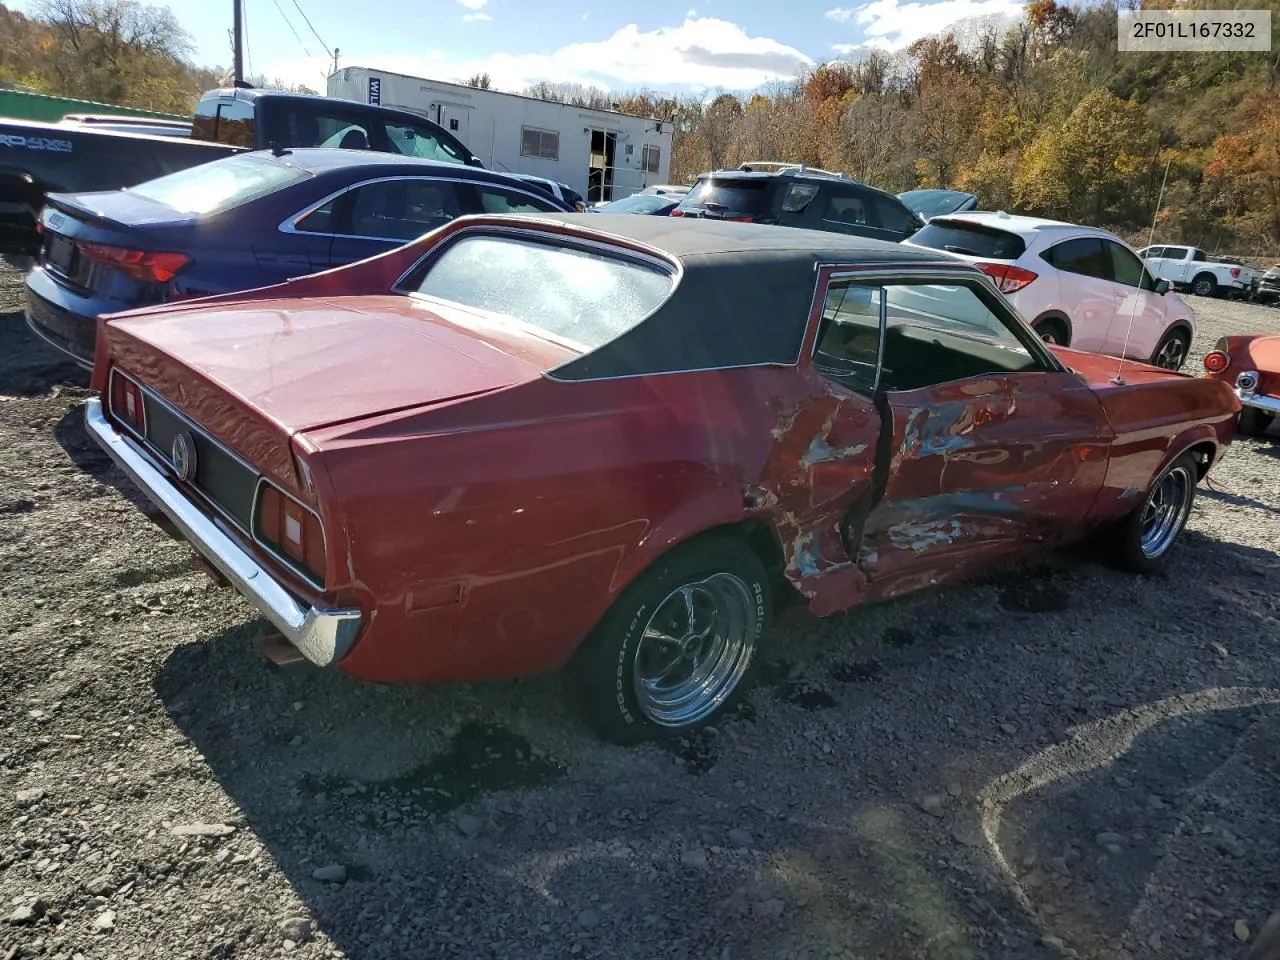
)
(690, 13)
(473, 4)
(894, 24)
(704, 52)
(474, 17)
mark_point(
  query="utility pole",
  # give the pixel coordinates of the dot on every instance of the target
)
(335, 59)
(238, 42)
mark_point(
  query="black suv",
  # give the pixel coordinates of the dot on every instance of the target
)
(797, 196)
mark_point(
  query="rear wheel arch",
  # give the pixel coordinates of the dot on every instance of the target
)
(1055, 318)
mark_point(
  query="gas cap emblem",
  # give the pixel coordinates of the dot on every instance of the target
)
(184, 456)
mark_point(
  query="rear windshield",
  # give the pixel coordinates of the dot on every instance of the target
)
(636, 203)
(745, 196)
(581, 298)
(971, 239)
(934, 203)
(219, 185)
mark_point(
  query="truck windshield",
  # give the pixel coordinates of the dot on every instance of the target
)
(220, 185)
(578, 297)
(421, 142)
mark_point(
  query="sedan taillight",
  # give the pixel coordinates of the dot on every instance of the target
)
(144, 266)
(1008, 278)
(290, 530)
(126, 402)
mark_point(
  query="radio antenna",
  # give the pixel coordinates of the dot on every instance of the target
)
(1151, 238)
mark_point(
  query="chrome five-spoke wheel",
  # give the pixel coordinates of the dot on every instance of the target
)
(695, 650)
(1171, 353)
(678, 647)
(1165, 511)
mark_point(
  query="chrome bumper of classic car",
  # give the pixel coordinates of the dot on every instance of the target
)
(322, 636)
(1246, 391)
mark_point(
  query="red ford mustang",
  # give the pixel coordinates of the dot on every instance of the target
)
(1251, 364)
(616, 444)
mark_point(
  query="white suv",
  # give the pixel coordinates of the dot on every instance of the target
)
(1077, 286)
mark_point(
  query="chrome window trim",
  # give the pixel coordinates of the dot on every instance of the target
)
(647, 254)
(290, 224)
(928, 273)
(280, 557)
(651, 256)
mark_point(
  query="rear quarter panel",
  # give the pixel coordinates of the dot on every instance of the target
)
(488, 537)
(1157, 417)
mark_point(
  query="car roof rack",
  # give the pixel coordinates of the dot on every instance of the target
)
(780, 166)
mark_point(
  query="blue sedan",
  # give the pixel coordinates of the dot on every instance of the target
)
(245, 221)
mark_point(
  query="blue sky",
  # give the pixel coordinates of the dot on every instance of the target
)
(658, 44)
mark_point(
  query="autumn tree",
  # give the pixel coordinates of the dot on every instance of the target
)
(1086, 168)
(116, 51)
(1243, 175)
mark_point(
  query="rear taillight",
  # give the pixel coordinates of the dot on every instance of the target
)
(677, 213)
(1235, 273)
(144, 266)
(126, 402)
(1008, 278)
(290, 530)
(1215, 361)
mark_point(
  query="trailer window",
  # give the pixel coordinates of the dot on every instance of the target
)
(544, 144)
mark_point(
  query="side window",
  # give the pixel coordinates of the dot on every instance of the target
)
(319, 220)
(416, 141)
(852, 209)
(1126, 268)
(895, 217)
(1084, 256)
(799, 196)
(1200, 256)
(499, 200)
(934, 334)
(403, 209)
(1153, 253)
(225, 121)
(848, 345)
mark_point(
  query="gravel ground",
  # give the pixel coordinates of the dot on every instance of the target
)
(1055, 761)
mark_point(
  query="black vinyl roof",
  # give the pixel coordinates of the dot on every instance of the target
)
(744, 299)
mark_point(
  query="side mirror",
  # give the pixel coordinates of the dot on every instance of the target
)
(1162, 287)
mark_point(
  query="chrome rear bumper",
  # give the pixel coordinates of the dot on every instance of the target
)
(323, 636)
(1259, 401)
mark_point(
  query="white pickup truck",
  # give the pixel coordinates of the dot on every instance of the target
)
(1192, 268)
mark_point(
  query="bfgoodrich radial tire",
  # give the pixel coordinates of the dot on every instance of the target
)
(1143, 541)
(678, 647)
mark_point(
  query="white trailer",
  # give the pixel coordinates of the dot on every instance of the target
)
(603, 154)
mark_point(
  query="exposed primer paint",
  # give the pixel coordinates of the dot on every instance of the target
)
(804, 558)
(820, 452)
(785, 426)
(921, 536)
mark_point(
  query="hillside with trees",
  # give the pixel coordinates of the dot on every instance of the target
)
(1044, 116)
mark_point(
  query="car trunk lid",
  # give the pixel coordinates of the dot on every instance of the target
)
(300, 364)
(92, 241)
